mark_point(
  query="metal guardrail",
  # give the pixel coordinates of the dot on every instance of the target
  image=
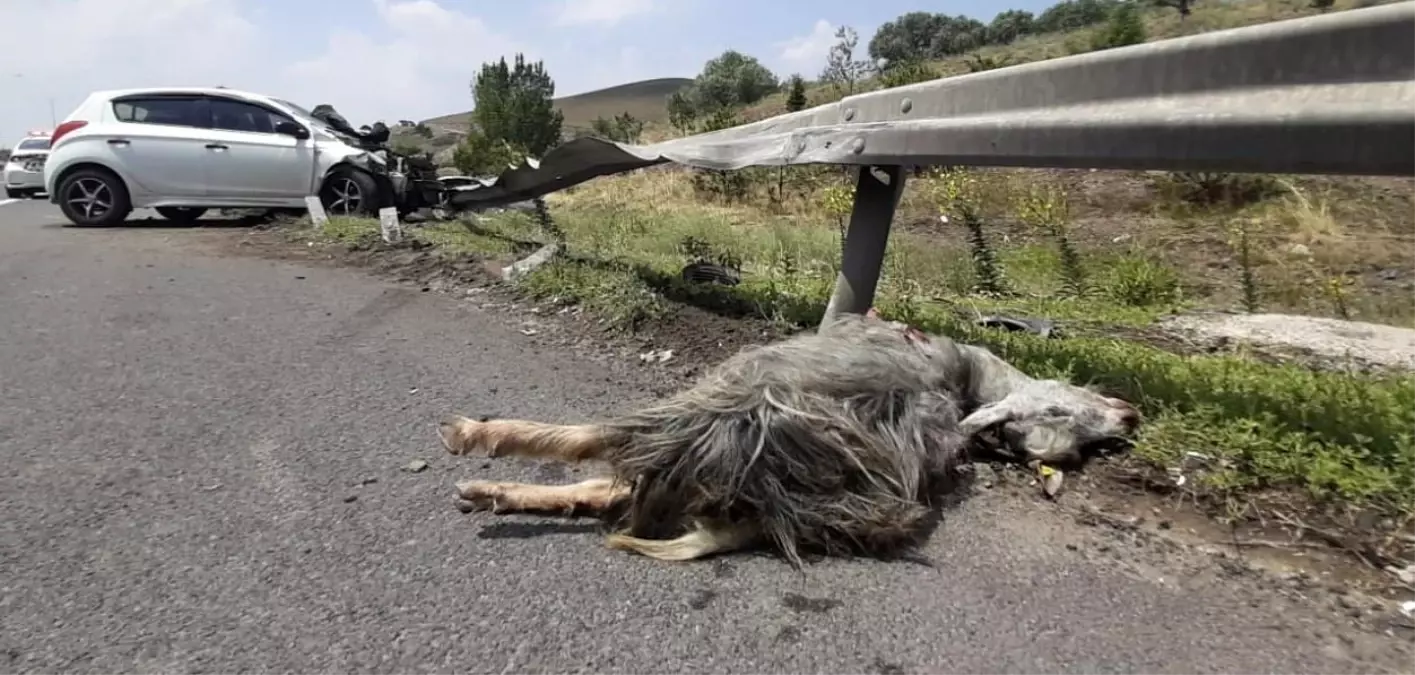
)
(1331, 94)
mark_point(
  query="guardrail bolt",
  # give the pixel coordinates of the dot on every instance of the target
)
(857, 146)
(849, 114)
(906, 105)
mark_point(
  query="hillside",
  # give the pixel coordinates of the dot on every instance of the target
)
(645, 100)
(1127, 262)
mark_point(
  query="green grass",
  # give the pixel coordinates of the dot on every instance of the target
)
(1267, 426)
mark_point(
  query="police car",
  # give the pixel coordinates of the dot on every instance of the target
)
(23, 174)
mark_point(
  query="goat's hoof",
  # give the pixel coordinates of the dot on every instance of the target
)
(456, 434)
(1052, 480)
(480, 495)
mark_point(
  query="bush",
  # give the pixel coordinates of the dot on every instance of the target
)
(1203, 188)
(1136, 281)
(1124, 28)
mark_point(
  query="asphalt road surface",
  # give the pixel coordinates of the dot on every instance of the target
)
(203, 463)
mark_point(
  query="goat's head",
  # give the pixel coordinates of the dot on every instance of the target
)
(1048, 420)
(1054, 421)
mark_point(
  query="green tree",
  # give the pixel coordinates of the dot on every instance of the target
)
(1123, 28)
(682, 111)
(1010, 25)
(907, 38)
(514, 105)
(842, 71)
(959, 34)
(1072, 14)
(478, 155)
(1184, 7)
(623, 128)
(729, 81)
(796, 99)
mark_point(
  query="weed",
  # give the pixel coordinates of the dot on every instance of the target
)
(1047, 210)
(1141, 281)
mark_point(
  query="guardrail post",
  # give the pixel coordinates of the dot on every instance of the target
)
(877, 191)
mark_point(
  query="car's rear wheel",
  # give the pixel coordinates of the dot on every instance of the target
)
(184, 215)
(94, 197)
(349, 192)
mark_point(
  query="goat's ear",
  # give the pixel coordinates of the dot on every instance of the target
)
(985, 417)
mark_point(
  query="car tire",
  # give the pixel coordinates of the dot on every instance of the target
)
(182, 215)
(349, 192)
(104, 187)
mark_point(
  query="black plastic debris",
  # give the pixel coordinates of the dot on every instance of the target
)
(711, 273)
(1043, 327)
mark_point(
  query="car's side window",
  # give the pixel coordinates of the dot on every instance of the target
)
(228, 115)
(172, 111)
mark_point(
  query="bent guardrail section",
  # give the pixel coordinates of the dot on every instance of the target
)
(1331, 94)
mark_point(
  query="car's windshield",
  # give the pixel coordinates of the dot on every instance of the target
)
(297, 109)
(33, 144)
(308, 117)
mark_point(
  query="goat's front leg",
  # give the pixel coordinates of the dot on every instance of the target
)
(589, 497)
(523, 438)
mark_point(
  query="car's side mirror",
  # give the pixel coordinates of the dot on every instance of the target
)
(292, 129)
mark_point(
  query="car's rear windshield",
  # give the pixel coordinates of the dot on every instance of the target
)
(33, 144)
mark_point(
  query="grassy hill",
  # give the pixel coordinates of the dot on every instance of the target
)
(645, 100)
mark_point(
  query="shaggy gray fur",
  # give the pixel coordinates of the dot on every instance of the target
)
(833, 441)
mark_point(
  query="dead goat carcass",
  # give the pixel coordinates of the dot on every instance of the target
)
(832, 441)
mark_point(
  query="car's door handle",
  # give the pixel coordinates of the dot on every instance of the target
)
(118, 141)
(217, 146)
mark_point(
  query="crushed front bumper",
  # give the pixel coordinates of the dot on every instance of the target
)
(24, 173)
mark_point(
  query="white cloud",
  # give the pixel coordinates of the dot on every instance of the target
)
(97, 45)
(415, 64)
(806, 54)
(423, 69)
(603, 13)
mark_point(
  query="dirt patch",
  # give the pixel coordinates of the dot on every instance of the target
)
(1362, 344)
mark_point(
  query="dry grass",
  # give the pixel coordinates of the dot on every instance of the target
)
(1335, 435)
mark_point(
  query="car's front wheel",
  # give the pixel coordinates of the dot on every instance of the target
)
(349, 192)
(94, 198)
(183, 215)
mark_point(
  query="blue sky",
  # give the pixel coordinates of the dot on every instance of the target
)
(422, 52)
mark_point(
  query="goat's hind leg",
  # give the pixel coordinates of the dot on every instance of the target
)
(589, 497)
(523, 438)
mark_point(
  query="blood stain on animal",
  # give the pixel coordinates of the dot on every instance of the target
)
(702, 598)
(800, 603)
